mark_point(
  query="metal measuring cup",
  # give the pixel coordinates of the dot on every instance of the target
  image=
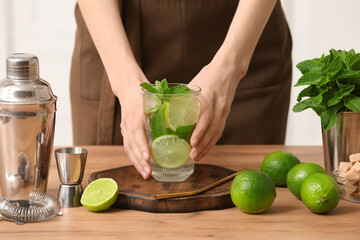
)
(70, 163)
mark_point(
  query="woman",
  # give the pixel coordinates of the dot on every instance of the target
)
(238, 52)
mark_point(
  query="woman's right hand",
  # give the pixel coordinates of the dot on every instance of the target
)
(132, 123)
(124, 74)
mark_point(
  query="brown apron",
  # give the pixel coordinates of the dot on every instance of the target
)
(174, 40)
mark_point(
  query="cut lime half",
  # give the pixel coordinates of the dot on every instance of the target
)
(100, 194)
(170, 151)
(182, 111)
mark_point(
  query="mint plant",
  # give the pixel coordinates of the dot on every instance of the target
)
(333, 85)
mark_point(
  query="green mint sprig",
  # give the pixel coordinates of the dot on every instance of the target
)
(162, 88)
(158, 127)
(334, 85)
(185, 132)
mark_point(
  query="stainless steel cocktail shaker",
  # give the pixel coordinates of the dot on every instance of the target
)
(27, 121)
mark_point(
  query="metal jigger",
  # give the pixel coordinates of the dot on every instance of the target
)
(71, 165)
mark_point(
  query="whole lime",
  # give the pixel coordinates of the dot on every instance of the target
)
(320, 193)
(277, 165)
(252, 191)
(297, 175)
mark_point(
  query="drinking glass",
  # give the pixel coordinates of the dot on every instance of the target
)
(169, 122)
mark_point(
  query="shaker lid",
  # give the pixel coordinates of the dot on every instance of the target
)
(22, 66)
(23, 85)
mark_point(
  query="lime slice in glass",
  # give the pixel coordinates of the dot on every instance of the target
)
(182, 111)
(100, 194)
(170, 151)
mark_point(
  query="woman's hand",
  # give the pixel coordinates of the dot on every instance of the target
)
(219, 79)
(132, 123)
(218, 85)
(124, 74)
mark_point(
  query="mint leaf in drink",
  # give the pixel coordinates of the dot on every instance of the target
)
(185, 132)
(148, 87)
(162, 87)
(159, 87)
(158, 127)
(179, 89)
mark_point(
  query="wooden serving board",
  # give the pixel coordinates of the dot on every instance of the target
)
(136, 193)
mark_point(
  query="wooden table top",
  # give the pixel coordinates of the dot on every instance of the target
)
(287, 218)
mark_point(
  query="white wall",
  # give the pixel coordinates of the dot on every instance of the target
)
(46, 28)
(317, 26)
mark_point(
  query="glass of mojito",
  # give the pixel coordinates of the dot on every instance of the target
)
(171, 112)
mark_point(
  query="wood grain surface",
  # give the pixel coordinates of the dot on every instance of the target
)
(287, 218)
(135, 193)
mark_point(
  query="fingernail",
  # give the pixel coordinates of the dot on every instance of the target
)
(145, 156)
(143, 174)
(194, 155)
(147, 170)
(194, 141)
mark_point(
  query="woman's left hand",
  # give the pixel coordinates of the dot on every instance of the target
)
(219, 79)
(218, 85)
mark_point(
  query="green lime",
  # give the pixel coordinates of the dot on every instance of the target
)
(170, 151)
(100, 194)
(277, 165)
(320, 193)
(252, 191)
(298, 173)
(182, 111)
